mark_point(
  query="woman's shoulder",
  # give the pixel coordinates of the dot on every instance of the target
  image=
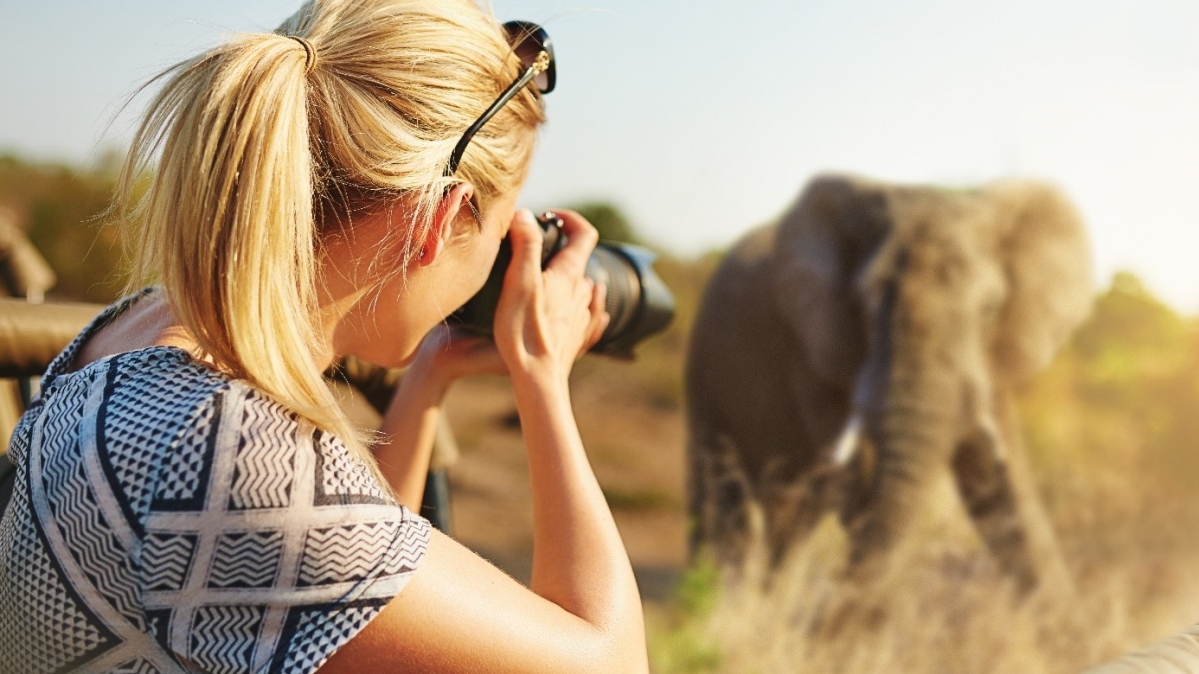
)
(224, 504)
(217, 437)
(175, 435)
(150, 417)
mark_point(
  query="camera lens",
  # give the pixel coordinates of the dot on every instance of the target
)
(638, 303)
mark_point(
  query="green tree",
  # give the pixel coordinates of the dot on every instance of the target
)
(612, 223)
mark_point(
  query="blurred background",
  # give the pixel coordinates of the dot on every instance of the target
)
(683, 125)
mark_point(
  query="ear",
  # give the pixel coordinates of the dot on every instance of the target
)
(454, 205)
(823, 244)
(1047, 263)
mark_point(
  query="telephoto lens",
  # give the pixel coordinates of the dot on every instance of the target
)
(638, 302)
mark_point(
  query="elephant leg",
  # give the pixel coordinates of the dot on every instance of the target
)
(793, 501)
(719, 500)
(985, 484)
(1000, 494)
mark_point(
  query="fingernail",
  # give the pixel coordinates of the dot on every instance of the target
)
(526, 216)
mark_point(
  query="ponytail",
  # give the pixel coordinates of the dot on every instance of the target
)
(228, 225)
(247, 144)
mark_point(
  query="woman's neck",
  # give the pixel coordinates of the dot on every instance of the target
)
(149, 322)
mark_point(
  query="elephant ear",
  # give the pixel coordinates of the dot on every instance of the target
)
(1047, 263)
(822, 245)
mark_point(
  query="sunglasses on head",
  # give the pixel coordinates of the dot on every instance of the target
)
(533, 47)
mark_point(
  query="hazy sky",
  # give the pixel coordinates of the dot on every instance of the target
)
(703, 119)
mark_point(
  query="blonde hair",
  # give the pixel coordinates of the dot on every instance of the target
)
(260, 148)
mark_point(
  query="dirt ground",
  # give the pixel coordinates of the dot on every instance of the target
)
(636, 450)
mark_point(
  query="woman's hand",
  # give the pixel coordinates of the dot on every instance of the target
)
(547, 319)
(448, 353)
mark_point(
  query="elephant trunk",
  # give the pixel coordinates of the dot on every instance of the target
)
(914, 435)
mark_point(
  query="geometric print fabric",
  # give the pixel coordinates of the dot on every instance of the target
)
(319, 624)
(167, 559)
(168, 518)
(340, 480)
(246, 559)
(45, 626)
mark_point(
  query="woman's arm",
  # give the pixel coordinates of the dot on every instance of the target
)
(579, 560)
(410, 422)
(460, 614)
(408, 429)
(543, 322)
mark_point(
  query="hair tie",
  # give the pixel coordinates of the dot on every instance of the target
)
(309, 53)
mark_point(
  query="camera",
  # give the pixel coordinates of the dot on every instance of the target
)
(638, 302)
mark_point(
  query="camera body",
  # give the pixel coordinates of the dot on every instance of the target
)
(638, 302)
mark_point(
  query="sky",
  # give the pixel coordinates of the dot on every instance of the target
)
(704, 119)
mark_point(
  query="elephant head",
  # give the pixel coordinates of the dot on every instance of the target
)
(927, 305)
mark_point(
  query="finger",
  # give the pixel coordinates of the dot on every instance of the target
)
(585, 292)
(599, 292)
(599, 318)
(597, 332)
(599, 297)
(526, 239)
(467, 342)
(605, 321)
(459, 334)
(581, 238)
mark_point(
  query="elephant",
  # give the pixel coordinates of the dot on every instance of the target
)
(870, 338)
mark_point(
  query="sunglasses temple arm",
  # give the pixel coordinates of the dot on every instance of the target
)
(509, 93)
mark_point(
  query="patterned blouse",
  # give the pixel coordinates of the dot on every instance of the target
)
(169, 518)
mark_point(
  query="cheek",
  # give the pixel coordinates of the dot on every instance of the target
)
(483, 259)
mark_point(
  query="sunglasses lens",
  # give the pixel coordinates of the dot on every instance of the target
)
(527, 51)
(530, 40)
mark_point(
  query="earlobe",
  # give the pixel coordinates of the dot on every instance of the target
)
(431, 250)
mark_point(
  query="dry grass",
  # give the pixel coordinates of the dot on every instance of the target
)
(944, 607)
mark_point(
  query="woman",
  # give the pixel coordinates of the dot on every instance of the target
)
(188, 495)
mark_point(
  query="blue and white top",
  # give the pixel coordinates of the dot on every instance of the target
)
(167, 517)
